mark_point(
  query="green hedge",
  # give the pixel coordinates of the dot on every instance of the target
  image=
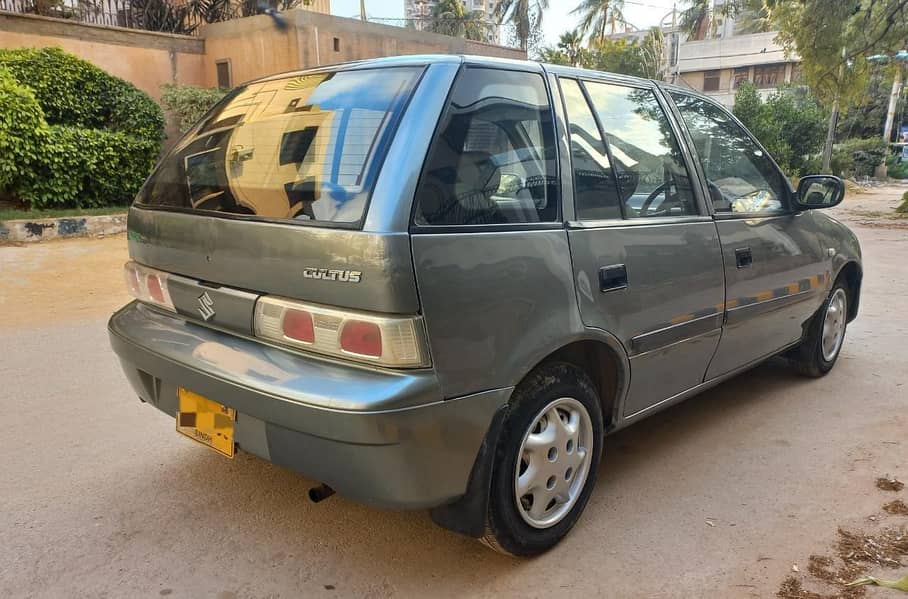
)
(89, 167)
(189, 103)
(72, 91)
(22, 130)
(72, 136)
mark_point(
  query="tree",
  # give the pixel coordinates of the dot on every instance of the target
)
(571, 43)
(598, 15)
(834, 39)
(653, 52)
(790, 123)
(754, 17)
(696, 19)
(866, 118)
(449, 17)
(618, 56)
(525, 16)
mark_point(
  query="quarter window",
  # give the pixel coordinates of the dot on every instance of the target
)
(652, 178)
(595, 190)
(740, 176)
(493, 160)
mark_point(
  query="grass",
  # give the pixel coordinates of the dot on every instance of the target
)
(16, 214)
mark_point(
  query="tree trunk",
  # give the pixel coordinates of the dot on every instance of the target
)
(893, 102)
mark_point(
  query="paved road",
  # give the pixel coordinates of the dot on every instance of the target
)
(101, 498)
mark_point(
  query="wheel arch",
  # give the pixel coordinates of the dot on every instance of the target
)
(603, 358)
(853, 275)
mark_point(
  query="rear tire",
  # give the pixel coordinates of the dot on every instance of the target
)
(549, 452)
(820, 349)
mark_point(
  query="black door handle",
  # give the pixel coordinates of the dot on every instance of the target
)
(744, 258)
(613, 278)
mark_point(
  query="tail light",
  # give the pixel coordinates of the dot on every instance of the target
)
(148, 285)
(395, 341)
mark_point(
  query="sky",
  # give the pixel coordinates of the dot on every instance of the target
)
(556, 20)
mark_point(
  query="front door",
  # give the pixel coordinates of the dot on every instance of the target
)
(776, 272)
(646, 255)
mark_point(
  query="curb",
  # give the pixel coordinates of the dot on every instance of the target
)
(43, 229)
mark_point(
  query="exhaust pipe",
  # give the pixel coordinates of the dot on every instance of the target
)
(320, 493)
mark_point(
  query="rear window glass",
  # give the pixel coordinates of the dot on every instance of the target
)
(301, 147)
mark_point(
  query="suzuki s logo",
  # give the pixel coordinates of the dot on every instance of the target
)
(206, 306)
(330, 274)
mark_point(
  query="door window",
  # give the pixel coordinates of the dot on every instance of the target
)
(740, 176)
(652, 178)
(493, 160)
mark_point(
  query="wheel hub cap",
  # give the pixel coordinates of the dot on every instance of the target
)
(834, 325)
(553, 463)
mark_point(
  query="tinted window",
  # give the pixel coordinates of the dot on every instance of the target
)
(303, 147)
(741, 177)
(595, 191)
(651, 174)
(493, 160)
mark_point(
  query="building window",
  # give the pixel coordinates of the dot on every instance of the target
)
(741, 75)
(337, 44)
(770, 75)
(711, 81)
(224, 75)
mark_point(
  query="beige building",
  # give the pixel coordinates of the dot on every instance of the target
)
(231, 52)
(719, 66)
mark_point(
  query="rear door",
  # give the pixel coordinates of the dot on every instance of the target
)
(489, 247)
(775, 269)
(646, 255)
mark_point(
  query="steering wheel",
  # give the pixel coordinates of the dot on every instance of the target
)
(644, 209)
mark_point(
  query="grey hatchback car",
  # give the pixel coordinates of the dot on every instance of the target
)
(437, 282)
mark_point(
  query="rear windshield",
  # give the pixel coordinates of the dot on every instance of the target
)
(301, 147)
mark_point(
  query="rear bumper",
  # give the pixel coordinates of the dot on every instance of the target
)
(378, 437)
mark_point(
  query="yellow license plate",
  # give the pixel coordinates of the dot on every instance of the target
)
(206, 421)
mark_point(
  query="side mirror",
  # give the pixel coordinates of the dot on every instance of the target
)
(819, 191)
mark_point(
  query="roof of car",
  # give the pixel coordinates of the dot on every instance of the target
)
(424, 59)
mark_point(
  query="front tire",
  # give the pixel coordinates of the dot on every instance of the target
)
(545, 462)
(820, 349)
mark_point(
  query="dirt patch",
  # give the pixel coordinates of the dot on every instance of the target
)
(896, 508)
(857, 553)
(889, 484)
(61, 281)
(885, 549)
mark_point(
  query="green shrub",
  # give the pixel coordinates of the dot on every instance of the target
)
(898, 170)
(85, 168)
(72, 91)
(72, 136)
(903, 207)
(858, 157)
(22, 130)
(189, 103)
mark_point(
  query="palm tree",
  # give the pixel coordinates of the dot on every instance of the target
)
(598, 15)
(518, 13)
(696, 19)
(756, 18)
(570, 43)
(450, 18)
